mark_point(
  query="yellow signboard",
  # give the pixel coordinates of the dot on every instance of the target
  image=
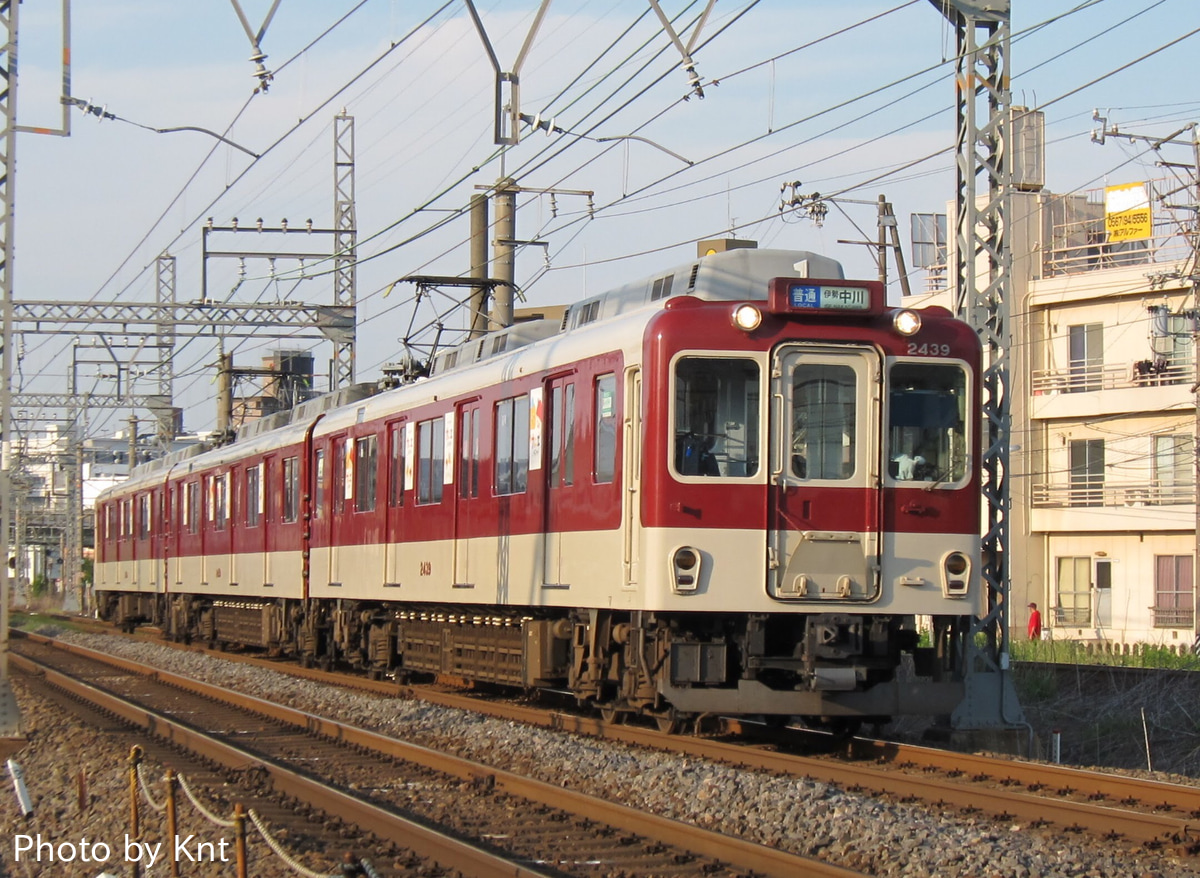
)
(1127, 214)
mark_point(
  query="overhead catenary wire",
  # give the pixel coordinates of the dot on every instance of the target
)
(542, 273)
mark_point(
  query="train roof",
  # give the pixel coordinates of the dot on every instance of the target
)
(733, 275)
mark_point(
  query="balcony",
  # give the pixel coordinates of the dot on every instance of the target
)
(1172, 617)
(1096, 492)
(1080, 242)
(1139, 373)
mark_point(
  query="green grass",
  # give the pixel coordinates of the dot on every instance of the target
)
(1142, 655)
(33, 621)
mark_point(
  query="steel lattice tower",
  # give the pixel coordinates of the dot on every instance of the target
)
(345, 234)
(981, 281)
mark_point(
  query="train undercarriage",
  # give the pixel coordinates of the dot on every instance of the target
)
(838, 669)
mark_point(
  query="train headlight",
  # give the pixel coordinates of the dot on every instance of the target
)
(956, 574)
(907, 322)
(747, 318)
(686, 564)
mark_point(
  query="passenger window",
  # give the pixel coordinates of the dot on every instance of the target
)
(717, 402)
(431, 460)
(366, 453)
(605, 446)
(512, 445)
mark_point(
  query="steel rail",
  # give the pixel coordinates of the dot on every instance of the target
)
(756, 858)
(970, 796)
(370, 818)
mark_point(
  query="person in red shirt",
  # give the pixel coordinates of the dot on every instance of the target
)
(1035, 622)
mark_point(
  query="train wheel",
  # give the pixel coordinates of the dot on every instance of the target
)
(612, 716)
(670, 723)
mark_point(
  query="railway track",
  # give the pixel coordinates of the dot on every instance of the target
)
(462, 815)
(1151, 814)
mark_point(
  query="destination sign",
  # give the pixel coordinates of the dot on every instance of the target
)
(829, 297)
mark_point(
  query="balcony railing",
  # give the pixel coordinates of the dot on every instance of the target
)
(1082, 244)
(1173, 617)
(1094, 492)
(1140, 373)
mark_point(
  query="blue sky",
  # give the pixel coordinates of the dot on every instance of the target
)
(836, 111)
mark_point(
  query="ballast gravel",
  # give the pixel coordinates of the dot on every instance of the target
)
(861, 832)
(82, 831)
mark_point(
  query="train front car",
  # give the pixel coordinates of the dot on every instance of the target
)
(809, 538)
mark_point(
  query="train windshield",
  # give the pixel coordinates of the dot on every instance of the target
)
(717, 403)
(927, 439)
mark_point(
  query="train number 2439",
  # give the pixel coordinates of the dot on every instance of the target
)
(928, 350)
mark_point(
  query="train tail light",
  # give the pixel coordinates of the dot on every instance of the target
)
(956, 574)
(686, 564)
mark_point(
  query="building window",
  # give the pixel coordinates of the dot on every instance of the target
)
(1087, 472)
(512, 445)
(1174, 469)
(1075, 591)
(291, 489)
(606, 429)
(1174, 601)
(366, 463)
(716, 417)
(1087, 356)
(431, 460)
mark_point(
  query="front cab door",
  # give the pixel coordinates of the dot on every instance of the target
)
(823, 516)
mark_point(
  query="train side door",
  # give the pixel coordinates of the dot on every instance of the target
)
(393, 522)
(632, 464)
(468, 416)
(823, 514)
(341, 489)
(560, 475)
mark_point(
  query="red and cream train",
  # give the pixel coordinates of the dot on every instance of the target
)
(733, 488)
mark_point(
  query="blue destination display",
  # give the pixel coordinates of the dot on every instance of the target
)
(832, 298)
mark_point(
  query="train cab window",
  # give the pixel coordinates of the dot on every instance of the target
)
(824, 421)
(927, 440)
(253, 495)
(512, 445)
(366, 469)
(605, 466)
(717, 403)
(431, 460)
(291, 489)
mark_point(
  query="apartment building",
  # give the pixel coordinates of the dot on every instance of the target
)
(1103, 379)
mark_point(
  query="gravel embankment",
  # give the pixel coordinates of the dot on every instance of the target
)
(870, 834)
(59, 748)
